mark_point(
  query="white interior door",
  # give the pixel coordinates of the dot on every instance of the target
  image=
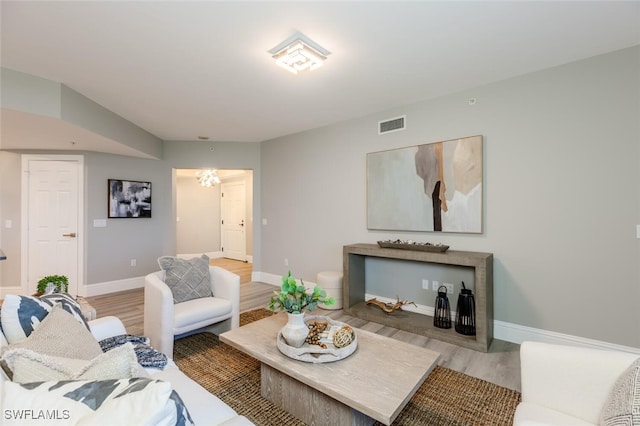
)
(234, 221)
(53, 222)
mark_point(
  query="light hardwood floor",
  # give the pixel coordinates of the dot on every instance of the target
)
(501, 365)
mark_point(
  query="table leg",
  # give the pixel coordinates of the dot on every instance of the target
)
(306, 403)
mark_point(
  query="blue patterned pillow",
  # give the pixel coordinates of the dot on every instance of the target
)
(133, 401)
(147, 355)
(22, 314)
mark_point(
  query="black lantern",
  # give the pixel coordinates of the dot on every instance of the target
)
(466, 313)
(442, 311)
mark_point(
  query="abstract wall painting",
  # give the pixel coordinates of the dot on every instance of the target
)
(129, 199)
(433, 187)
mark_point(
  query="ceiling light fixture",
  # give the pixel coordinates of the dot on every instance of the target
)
(299, 53)
(207, 178)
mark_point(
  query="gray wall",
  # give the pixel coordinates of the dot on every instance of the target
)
(109, 250)
(24, 92)
(561, 182)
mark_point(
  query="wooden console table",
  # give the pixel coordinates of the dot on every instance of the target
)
(354, 289)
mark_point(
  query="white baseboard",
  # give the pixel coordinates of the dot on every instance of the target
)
(112, 287)
(211, 254)
(264, 277)
(518, 333)
(10, 290)
(273, 279)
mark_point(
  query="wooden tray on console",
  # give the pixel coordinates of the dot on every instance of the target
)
(314, 353)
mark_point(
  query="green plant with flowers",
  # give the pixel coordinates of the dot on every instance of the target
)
(295, 299)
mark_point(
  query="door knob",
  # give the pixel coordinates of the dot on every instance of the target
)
(71, 234)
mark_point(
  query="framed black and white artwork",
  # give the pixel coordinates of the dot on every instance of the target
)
(129, 199)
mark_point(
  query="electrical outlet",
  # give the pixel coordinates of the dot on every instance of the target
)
(435, 285)
(425, 284)
(286, 262)
(449, 287)
(133, 262)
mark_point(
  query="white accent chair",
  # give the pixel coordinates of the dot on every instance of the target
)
(165, 321)
(566, 385)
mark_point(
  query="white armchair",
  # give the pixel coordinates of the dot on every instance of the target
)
(566, 385)
(165, 321)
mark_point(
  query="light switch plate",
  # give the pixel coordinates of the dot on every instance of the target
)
(99, 223)
(638, 231)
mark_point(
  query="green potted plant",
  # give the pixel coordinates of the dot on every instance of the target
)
(294, 299)
(58, 282)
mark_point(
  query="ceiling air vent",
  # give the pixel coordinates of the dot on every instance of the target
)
(391, 125)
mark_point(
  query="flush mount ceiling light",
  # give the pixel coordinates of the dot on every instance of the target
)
(299, 53)
(207, 178)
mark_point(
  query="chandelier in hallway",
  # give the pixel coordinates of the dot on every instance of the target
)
(207, 177)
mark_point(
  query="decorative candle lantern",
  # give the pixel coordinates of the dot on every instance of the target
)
(466, 313)
(442, 311)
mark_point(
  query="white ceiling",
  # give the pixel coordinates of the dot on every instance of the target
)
(182, 69)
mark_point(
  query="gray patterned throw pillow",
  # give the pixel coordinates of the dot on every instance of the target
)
(187, 278)
(623, 404)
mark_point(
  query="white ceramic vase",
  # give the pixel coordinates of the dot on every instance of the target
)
(296, 331)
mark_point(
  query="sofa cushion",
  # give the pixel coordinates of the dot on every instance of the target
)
(623, 404)
(138, 401)
(204, 407)
(528, 414)
(61, 335)
(198, 313)
(22, 314)
(187, 278)
(28, 366)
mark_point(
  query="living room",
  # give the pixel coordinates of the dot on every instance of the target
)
(561, 203)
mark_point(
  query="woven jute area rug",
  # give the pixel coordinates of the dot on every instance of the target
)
(447, 397)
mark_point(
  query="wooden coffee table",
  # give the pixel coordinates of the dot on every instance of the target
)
(374, 383)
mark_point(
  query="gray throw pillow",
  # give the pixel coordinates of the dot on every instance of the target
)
(623, 404)
(187, 278)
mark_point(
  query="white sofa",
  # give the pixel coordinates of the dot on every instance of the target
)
(566, 385)
(204, 407)
(164, 321)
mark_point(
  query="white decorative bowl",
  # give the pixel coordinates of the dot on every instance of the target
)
(314, 353)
